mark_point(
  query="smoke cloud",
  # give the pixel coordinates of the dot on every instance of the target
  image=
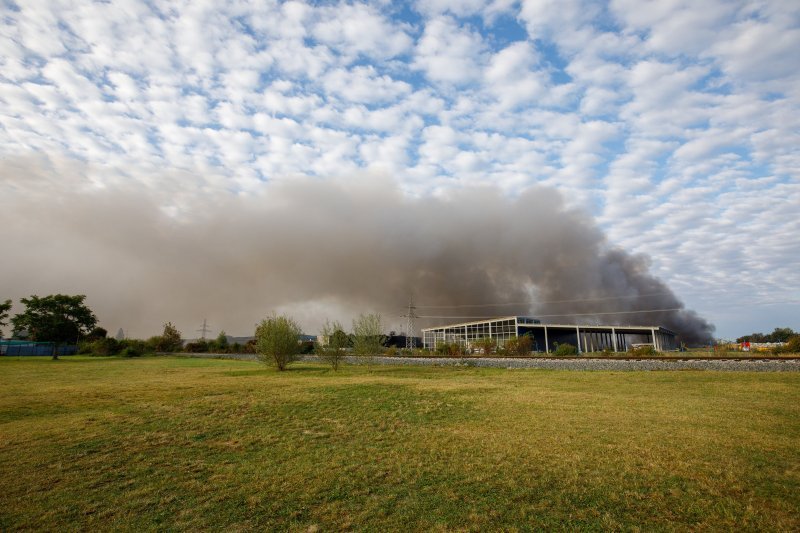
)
(317, 249)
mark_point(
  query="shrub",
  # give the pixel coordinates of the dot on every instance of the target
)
(132, 347)
(276, 341)
(485, 346)
(449, 348)
(566, 349)
(642, 351)
(200, 346)
(518, 346)
(130, 351)
(102, 346)
(793, 344)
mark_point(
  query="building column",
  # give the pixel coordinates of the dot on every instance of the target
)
(614, 338)
(578, 335)
(546, 344)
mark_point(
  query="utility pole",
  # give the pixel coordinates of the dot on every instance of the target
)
(410, 316)
(205, 329)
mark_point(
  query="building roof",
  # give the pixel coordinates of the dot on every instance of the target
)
(541, 324)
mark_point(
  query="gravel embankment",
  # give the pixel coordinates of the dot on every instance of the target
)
(756, 365)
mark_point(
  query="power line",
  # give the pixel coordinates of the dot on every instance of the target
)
(543, 303)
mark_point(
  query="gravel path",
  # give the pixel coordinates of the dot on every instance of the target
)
(756, 365)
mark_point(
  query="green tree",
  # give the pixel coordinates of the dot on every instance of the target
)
(333, 344)
(781, 335)
(97, 333)
(58, 318)
(5, 307)
(277, 341)
(168, 341)
(171, 339)
(221, 342)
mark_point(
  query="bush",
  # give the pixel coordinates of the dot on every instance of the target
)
(518, 346)
(132, 347)
(200, 346)
(642, 351)
(485, 346)
(566, 349)
(792, 346)
(277, 341)
(101, 346)
(130, 351)
(449, 348)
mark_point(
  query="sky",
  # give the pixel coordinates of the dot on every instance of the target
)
(674, 125)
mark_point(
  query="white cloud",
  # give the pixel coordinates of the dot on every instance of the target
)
(449, 53)
(364, 85)
(355, 29)
(668, 119)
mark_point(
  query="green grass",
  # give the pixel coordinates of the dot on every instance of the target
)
(187, 444)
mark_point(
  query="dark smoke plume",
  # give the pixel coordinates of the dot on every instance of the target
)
(316, 249)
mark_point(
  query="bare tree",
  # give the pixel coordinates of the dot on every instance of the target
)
(367, 336)
(333, 344)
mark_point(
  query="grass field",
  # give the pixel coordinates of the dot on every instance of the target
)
(187, 444)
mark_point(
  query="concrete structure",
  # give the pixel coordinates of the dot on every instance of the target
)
(587, 338)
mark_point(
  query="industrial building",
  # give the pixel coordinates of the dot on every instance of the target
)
(545, 337)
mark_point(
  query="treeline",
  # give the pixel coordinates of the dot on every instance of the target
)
(778, 335)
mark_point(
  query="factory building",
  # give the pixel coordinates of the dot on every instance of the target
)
(545, 337)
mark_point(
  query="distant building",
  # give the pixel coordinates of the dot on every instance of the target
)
(587, 338)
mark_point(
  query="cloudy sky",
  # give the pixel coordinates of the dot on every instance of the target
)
(675, 124)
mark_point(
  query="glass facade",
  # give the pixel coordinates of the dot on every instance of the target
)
(500, 330)
(546, 337)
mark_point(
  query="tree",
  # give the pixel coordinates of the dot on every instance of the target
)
(333, 345)
(171, 339)
(97, 333)
(168, 341)
(277, 340)
(367, 335)
(221, 343)
(5, 307)
(57, 318)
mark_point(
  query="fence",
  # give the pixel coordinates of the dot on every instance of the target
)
(14, 348)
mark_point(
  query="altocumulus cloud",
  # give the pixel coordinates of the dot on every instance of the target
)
(675, 125)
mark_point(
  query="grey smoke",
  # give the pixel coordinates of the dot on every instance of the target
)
(315, 248)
